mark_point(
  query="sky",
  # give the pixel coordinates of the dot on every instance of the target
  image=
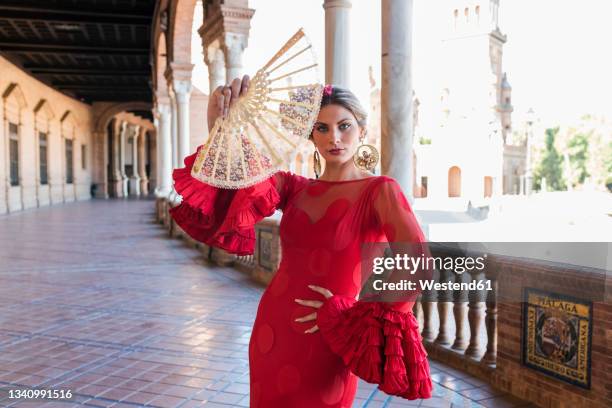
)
(557, 55)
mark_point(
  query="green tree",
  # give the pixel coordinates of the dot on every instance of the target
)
(578, 147)
(587, 144)
(550, 165)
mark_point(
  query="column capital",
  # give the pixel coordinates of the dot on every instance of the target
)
(120, 126)
(136, 131)
(163, 107)
(212, 52)
(178, 71)
(327, 4)
(181, 88)
(234, 42)
(221, 19)
(127, 131)
(233, 46)
(215, 60)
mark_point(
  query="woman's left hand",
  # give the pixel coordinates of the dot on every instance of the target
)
(313, 303)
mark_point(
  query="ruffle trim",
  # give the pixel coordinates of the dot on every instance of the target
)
(380, 345)
(223, 218)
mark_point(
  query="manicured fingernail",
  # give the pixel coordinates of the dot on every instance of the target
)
(298, 300)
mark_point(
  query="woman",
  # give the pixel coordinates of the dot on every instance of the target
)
(311, 338)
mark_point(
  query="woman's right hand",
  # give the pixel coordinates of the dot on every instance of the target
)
(225, 96)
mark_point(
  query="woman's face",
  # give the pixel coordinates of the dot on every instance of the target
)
(336, 134)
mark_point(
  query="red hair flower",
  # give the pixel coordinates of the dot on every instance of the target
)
(327, 91)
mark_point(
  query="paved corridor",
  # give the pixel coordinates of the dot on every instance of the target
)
(95, 299)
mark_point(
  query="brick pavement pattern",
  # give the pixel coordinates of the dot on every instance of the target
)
(96, 299)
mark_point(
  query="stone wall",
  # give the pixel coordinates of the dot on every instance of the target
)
(503, 320)
(544, 390)
(37, 108)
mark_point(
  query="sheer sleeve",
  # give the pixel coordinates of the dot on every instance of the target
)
(226, 218)
(379, 340)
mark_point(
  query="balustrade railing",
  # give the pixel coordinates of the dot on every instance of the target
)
(464, 322)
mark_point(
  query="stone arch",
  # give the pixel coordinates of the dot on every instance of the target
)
(454, 182)
(161, 63)
(43, 108)
(69, 119)
(106, 114)
(158, 29)
(14, 105)
(179, 28)
(13, 91)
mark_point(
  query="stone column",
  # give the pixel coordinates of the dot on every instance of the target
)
(100, 171)
(116, 182)
(178, 77)
(142, 156)
(134, 179)
(215, 60)
(396, 93)
(337, 44)
(153, 153)
(122, 151)
(164, 148)
(233, 47)
(182, 90)
(173, 127)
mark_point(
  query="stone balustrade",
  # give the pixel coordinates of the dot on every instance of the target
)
(460, 327)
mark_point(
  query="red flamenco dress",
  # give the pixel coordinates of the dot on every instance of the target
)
(321, 231)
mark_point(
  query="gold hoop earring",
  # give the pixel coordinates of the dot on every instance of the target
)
(316, 163)
(366, 157)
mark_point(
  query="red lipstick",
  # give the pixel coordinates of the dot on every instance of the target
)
(336, 151)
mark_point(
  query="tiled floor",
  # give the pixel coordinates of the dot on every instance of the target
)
(94, 298)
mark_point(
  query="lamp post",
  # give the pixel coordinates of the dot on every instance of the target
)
(528, 171)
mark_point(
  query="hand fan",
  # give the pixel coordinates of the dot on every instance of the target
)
(264, 127)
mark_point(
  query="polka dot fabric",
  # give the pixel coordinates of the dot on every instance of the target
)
(322, 230)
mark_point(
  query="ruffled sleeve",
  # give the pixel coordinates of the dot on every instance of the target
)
(225, 218)
(378, 340)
